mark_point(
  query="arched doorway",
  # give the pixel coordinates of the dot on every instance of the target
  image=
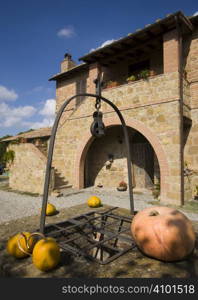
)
(106, 165)
(87, 140)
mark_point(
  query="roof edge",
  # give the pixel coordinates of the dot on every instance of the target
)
(146, 28)
(30, 135)
(70, 71)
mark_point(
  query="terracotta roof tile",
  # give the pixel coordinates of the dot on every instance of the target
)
(41, 132)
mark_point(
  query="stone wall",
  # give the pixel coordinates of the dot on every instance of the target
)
(192, 68)
(70, 87)
(191, 146)
(150, 106)
(67, 88)
(152, 103)
(170, 47)
(154, 90)
(28, 169)
(142, 93)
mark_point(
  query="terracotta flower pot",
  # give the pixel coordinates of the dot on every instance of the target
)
(121, 188)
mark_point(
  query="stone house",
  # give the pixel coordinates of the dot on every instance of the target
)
(30, 158)
(159, 104)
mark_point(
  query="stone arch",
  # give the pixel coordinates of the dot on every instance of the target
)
(137, 125)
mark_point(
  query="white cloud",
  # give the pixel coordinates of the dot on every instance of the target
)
(14, 116)
(4, 108)
(6, 94)
(37, 89)
(12, 121)
(103, 45)
(48, 111)
(107, 43)
(40, 89)
(66, 32)
(196, 13)
(49, 108)
(46, 122)
(24, 111)
(26, 117)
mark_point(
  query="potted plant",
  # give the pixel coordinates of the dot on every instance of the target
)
(111, 84)
(144, 74)
(122, 186)
(131, 78)
(100, 185)
(152, 73)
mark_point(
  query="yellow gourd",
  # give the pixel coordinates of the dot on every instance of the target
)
(46, 252)
(13, 247)
(50, 210)
(94, 201)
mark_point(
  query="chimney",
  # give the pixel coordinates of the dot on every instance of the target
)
(67, 63)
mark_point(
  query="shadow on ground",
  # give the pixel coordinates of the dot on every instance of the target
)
(133, 264)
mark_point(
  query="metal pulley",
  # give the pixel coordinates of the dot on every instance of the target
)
(97, 127)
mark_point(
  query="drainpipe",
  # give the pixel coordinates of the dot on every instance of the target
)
(180, 70)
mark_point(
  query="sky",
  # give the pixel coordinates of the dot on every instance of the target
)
(35, 35)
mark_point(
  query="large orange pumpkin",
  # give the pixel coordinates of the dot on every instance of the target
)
(163, 233)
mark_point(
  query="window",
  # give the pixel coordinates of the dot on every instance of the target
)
(135, 69)
(81, 86)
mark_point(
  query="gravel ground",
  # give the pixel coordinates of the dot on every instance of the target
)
(14, 206)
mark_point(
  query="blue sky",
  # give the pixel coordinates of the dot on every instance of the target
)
(35, 35)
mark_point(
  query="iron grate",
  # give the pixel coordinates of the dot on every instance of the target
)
(100, 236)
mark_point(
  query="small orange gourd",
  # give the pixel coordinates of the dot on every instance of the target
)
(46, 252)
(14, 249)
(50, 209)
(94, 201)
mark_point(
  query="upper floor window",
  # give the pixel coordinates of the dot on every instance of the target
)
(137, 68)
(81, 88)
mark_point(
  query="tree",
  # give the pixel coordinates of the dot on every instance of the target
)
(25, 131)
(3, 146)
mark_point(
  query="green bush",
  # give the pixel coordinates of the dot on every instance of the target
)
(8, 156)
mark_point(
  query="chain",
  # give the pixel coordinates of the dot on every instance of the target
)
(98, 103)
(98, 92)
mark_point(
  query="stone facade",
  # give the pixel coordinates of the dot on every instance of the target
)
(151, 108)
(191, 146)
(147, 105)
(30, 156)
(28, 169)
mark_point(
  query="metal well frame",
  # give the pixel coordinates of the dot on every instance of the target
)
(62, 228)
(100, 236)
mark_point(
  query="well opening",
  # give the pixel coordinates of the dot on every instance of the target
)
(100, 236)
